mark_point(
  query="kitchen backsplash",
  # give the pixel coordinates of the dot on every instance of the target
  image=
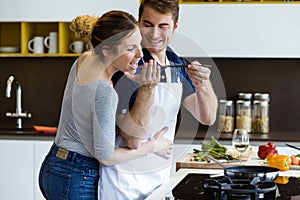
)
(43, 80)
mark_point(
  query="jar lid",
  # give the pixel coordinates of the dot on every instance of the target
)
(222, 101)
(262, 96)
(229, 103)
(261, 103)
(243, 102)
(245, 96)
(226, 102)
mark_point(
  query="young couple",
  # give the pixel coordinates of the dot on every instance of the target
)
(88, 160)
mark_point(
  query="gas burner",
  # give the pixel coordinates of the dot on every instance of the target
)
(226, 188)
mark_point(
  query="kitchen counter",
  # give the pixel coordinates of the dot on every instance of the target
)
(28, 134)
(184, 136)
(175, 178)
(165, 189)
(271, 136)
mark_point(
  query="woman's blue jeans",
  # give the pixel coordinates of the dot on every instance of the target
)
(66, 175)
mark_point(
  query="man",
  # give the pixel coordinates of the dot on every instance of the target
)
(146, 109)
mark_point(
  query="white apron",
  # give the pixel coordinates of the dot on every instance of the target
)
(138, 178)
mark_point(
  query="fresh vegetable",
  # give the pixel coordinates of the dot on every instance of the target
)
(282, 180)
(281, 162)
(295, 159)
(266, 149)
(212, 148)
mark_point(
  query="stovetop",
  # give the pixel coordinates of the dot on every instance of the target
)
(191, 187)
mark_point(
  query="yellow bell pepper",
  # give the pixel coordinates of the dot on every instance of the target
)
(282, 180)
(281, 162)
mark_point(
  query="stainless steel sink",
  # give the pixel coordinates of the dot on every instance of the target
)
(15, 130)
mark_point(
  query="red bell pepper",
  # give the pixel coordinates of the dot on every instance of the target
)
(265, 150)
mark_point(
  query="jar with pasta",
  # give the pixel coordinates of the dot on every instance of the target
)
(243, 115)
(261, 117)
(226, 116)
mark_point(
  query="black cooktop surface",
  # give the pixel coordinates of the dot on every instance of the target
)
(192, 188)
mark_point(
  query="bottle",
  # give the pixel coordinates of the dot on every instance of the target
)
(243, 115)
(261, 117)
(226, 116)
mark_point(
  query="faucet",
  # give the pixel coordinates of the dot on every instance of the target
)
(18, 114)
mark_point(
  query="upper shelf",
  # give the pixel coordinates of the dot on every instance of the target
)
(18, 34)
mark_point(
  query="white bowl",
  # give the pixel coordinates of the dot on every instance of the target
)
(9, 49)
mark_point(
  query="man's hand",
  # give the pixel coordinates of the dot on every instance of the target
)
(198, 74)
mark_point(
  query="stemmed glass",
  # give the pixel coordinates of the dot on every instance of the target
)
(240, 141)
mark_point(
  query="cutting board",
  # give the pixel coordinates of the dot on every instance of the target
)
(187, 162)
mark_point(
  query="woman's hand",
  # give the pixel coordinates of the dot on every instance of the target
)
(149, 76)
(162, 146)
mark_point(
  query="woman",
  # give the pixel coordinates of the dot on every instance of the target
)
(86, 131)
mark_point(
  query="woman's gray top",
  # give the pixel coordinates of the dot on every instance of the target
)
(87, 120)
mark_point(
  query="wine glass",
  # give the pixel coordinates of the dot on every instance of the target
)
(240, 141)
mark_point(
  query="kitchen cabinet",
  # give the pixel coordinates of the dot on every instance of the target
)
(19, 169)
(18, 34)
(16, 169)
(41, 148)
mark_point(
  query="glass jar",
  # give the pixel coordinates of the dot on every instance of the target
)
(261, 117)
(243, 115)
(226, 116)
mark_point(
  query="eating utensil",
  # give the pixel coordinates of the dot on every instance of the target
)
(292, 146)
(181, 65)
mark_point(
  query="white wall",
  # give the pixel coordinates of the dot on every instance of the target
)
(60, 10)
(221, 30)
(248, 30)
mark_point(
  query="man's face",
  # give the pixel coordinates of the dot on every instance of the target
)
(157, 30)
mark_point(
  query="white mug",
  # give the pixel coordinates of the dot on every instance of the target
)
(38, 44)
(77, 46)
(51, 42)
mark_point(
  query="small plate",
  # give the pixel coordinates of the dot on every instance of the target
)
(9, 49)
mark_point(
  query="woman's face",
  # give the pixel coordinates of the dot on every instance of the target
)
(129, 53)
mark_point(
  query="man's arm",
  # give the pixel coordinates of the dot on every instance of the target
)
(134, 125)
(203, 104)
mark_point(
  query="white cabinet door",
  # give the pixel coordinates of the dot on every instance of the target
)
(16, 169)
(41, 148)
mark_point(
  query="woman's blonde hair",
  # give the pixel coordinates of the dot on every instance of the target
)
(108, 30)
(82, 26)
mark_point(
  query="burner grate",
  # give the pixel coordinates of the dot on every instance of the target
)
(225, 188)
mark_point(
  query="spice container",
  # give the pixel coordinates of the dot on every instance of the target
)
(261, 117)
(226, 116)
(243, 115)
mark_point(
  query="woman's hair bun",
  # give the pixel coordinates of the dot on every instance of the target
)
(82, 26)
